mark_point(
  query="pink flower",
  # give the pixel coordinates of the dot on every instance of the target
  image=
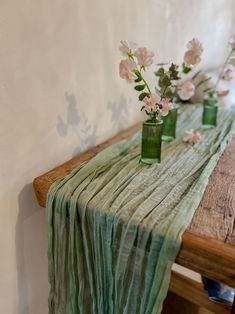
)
(126, 70)
(192, 137)
(223, 93)
(127, 47)
(151, 103)
(228, 74)
(166, 106)
(232, 43)
(193, 55)
(144, 57)
(187, 90)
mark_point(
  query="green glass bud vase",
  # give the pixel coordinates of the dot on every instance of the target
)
(169, 125)
(210, 109)
(151, 142)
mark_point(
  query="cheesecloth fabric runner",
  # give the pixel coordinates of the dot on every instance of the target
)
(115, 224)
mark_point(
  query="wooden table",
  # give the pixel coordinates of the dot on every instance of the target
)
(208, 245)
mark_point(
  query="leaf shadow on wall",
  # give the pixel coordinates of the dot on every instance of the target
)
(31, 254)
(78, 123)
(119, 114)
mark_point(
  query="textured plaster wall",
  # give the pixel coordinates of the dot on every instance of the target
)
(60, 93)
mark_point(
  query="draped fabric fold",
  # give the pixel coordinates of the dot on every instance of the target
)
(115, 225)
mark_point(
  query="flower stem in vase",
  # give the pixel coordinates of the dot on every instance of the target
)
(151, 142)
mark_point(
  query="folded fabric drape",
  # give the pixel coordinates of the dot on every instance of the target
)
(115, 224)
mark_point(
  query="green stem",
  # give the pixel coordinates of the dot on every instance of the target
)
(163, 94)
(196, 74)
(130, 56)
(143, 79)
(202, 82)
(153, 116)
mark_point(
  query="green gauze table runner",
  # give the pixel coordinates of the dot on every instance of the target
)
(115, 224)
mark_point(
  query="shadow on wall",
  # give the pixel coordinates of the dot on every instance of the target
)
(31, 254)
(119, 114)
(78, 123)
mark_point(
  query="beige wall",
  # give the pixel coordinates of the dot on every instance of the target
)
(60, 93)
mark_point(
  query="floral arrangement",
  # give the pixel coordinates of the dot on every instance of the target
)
(137, 61)
(175, 87)
(172, 83)
(170, 87)
(226, 74)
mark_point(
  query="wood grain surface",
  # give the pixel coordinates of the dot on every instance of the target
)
(215, 216)
(42, 184)
(208, 246)
(209, 257)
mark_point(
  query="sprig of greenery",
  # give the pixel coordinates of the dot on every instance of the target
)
(143, 87)
(140, 79)
(166, 78)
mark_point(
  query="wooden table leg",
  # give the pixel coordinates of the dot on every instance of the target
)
(233, 307)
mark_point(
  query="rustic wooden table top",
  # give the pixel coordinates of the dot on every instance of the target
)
(208, 245)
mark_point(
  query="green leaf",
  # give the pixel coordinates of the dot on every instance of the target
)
(186, 69)
(139, 87)
(168, 93)
(139, 79)
(160, 72)
(142, 96)
(164, 81)
(163, 63)
(173, 72)
(213, 94)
